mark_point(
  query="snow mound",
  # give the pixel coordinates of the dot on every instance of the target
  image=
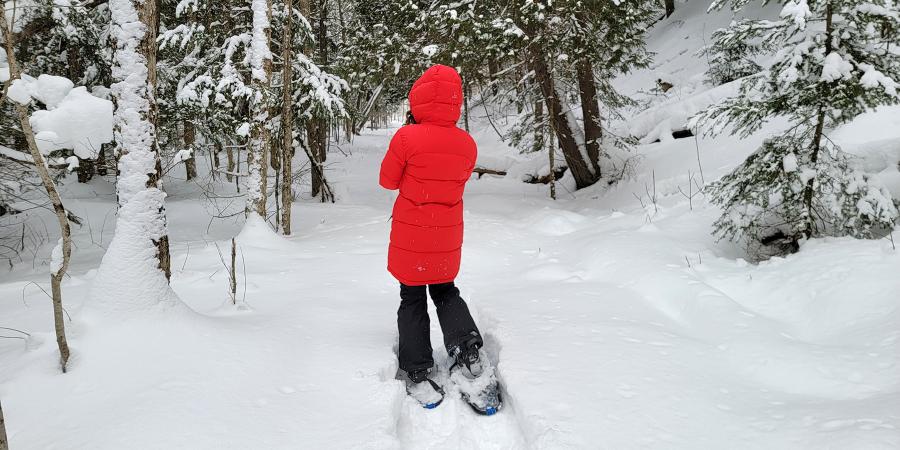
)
(556, 222)
(78, 121)
(257, 233)
(673, 115)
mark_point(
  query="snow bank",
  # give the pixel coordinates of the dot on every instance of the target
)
(257, 233)
(660, 121)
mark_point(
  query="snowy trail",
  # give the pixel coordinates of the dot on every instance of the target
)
(453, 424)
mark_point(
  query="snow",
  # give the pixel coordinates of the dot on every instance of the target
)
(658, 122)
(18, 91)
(140, 221)
(183, 155)
(48, 89)
(600, 323)
(613, 325)
(78, 121)
(797, 12)
(835, 68)
(872, 78)
(56, 258)
(259, 51)
(430, 50)
(790, 163)
(243, 130)
(74, 119)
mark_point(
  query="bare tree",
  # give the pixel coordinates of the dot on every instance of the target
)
(63, 250)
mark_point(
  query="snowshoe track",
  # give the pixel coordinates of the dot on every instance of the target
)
(453, 424)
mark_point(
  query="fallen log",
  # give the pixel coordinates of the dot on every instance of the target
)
(482, 171)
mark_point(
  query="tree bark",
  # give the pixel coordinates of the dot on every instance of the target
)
(809, 190)
(86, 169)
(148, 12)
(4, 442)
(189, 136)
(287, 120)
(593, 132)
(582, 173)
(538, 144)
(257, 156)
(229, 167)
(58, 268)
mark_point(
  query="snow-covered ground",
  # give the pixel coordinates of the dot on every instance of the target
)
(612, 330)
(615, 323)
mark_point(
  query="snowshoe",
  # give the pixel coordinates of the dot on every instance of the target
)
(423, 389)
(474, 375)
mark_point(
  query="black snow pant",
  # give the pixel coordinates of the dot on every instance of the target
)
(457, 325)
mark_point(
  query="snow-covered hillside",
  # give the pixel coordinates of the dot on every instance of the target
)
(615, 318)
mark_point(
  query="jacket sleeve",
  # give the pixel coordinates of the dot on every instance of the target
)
(394, 163)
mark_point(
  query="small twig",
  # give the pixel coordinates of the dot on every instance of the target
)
(16, 330)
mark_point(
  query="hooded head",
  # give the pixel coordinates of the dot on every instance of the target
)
(436, 97)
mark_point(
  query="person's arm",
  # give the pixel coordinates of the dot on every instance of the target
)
(394, 162)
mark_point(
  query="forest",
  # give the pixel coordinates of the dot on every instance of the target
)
(682, 212)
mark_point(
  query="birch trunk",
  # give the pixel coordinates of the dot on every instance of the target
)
(63, 251)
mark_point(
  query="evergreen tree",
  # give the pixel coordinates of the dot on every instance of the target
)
(832, 61)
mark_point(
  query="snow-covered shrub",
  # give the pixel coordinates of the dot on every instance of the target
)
(767, 195)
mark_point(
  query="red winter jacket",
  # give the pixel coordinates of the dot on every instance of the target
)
(430, 163)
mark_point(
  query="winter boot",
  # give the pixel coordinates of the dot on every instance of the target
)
(467, 357)
(428, 393)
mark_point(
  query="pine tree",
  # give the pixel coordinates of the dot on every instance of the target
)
(832, 60)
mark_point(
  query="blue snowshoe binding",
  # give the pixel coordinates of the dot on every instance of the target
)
(423, 389)
(474, 374)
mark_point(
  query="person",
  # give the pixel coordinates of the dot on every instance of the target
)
(430, 160)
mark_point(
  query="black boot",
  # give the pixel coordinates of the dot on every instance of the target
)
(425, 390)
(467, 356)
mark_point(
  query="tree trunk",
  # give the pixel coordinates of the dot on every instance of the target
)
(466, 106)
(86, 169)
(229, 167)
(552, 155)
(316, 140)
(580, 169)
(257, 155)
(593, 132)
(287, 120)
(148, 14)
(4, 442)
(809, 190)
(101, 160)
(316, 127)
(189, 136)
(538, 144)
(64, 247)
(670, 7)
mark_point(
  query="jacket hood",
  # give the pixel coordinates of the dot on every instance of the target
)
(436, 97)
